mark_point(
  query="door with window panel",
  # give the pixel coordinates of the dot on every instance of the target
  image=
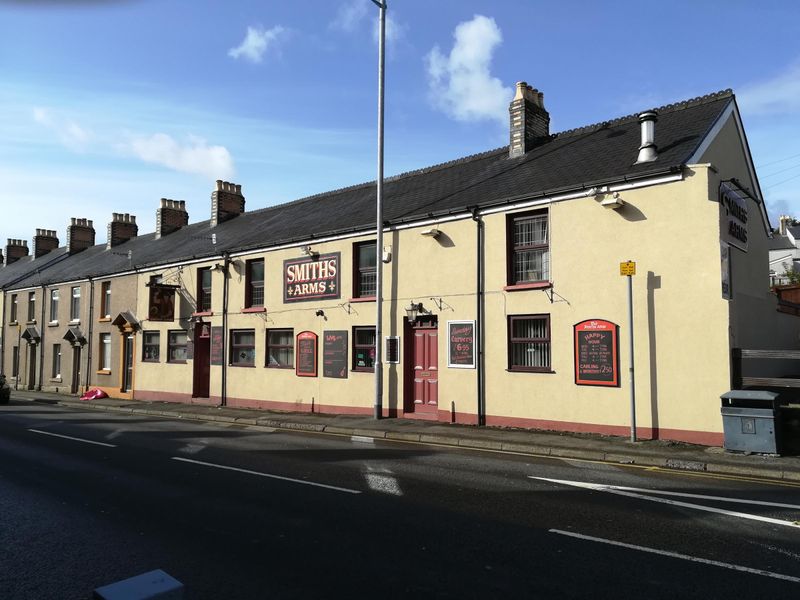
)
(425, 362)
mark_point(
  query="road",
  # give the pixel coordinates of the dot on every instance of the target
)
(89, 498)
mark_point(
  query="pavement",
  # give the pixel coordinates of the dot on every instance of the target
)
(651, 453)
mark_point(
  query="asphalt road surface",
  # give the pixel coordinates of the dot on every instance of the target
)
(90, 498)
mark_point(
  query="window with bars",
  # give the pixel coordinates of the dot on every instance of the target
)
(363, 348)
(105, 352)
(529, 343)
(365, 270)
(529, 248)
(151, 346)
(176, 346)
(254, 280)
(243, 348)
(75, 305)
(56, 371)
(54, 296)
(204, 289)
(280, 348)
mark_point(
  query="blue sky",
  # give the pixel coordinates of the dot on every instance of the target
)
(107, 106)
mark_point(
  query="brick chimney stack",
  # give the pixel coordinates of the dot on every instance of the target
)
(80, 235)
(121, 228)
(530, 122)
(226, 202)
(15, 249)
(171, 216)
(44, 241)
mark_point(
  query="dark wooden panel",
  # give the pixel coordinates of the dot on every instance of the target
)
(771, 382)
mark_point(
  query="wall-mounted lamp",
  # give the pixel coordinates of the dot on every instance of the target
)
(307, 251)
(217, 267)
(320, 313)
(432, 232)
(414, 310)
(614, 201)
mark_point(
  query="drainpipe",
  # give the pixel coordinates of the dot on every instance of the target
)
(223, 401)
(41, 344)
(3, 334)
(89, 335)
(19, 347)
(481, 413)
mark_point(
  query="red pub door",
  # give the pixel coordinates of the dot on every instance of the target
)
(425, 361)
(202, 356)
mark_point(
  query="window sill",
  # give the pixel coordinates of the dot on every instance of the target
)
(544, 372)
(538, 285)
(104, 320)
(362, 370)
(151, 360)
(254, 309)
(13, 323)
(205, 313)
(104, 372)
(31, 322)
(363, 299)
(53, 324)
(56, 379)
(75, 322)
(285, 368)
(176, 362)
(244, 366)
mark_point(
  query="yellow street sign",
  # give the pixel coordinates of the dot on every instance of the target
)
(627, 268)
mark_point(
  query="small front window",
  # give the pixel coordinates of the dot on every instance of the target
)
(529, 261)
(151, 346)
(75, 305)
(280, 348)
(204, 289)
(363, 348)
(105, 352)
(31, 306)
(529, 343)
(105, 299)
(243, 348)
(365, 271)
(56, 371)
(255, 283)
(176, 352)
(54, 296)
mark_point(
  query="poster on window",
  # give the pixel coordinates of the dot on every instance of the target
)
(306, 358)
(461, 344)
(334, 354)
(596, 353)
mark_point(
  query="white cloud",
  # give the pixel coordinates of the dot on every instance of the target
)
(777, 96)
(349, 15)
(69, 133)
(460, 83)
(256, 42)
(394, 30)
(195, 156)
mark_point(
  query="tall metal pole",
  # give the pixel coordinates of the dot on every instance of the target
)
(630, 336)
(379, 221)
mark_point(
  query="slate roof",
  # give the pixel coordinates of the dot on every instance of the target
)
(780, 242)
(571, 160)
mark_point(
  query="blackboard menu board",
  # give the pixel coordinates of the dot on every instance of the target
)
(334, 354)
(306, 360)
(461, 344)
(596, 353)
(216, 346)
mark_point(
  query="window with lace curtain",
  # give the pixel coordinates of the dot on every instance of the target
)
(529, 343)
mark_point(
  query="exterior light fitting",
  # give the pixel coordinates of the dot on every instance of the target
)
(414, 310)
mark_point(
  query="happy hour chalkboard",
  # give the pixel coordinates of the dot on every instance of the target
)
(461, 344)
(334, 354)
(596, 353)
(306, 362)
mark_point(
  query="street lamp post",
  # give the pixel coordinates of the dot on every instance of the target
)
(379, 220)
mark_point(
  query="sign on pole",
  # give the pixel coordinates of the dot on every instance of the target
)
(627, 268)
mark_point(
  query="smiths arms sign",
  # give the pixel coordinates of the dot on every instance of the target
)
(733, 215)
(311, 277)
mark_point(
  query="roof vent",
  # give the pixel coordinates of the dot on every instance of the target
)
(648, 151)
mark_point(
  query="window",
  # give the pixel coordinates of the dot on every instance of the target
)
(529, 343)
(176, 346)
(15, 361)
(363, 348)
(280, 348)
(56, 373)
(151, 346)
(254, 283)
(75, 305)
(364, 270)
(31, 306)
(105, 351)
(529, 248)
(243, 348)
(54, 295)
(105, 299)
(204, 289)
(13, 316)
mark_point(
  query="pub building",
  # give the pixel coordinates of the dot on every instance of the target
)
(505, 287)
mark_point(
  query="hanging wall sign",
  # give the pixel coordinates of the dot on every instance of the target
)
(311, 277)
(334, 354)
(733, 216)
(461, 344)
(216, 345)
(596, 353)
(306, 358)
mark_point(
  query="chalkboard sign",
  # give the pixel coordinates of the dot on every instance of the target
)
(306, 359)
(596, 353)
(461, 344)
(334, 354)
(216, 346)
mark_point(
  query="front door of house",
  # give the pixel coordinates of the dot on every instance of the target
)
(425, 362)
(127, 363)
(202, 360)
(76, 370)
(32, 366)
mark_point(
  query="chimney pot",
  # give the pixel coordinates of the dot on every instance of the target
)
(648, 151)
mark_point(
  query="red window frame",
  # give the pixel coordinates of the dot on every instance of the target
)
(512, 249)
(357, 347)
(253, 286)
(359, 269)
(289, 346)
(204, 291)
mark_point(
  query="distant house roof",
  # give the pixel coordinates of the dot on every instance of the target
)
(780, 242)
(575, 159)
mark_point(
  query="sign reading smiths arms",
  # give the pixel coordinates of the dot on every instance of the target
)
(311, 277)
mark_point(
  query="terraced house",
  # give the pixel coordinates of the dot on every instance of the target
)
(503, 299)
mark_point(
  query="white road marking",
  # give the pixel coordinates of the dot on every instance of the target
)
(362, 439)
(382, 480)
(621, 491)
(115, 434)
(696, 559)
(74, 439)
(268, 475)
(192, 447)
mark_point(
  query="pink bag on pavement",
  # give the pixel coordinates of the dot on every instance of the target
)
(94, 394)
